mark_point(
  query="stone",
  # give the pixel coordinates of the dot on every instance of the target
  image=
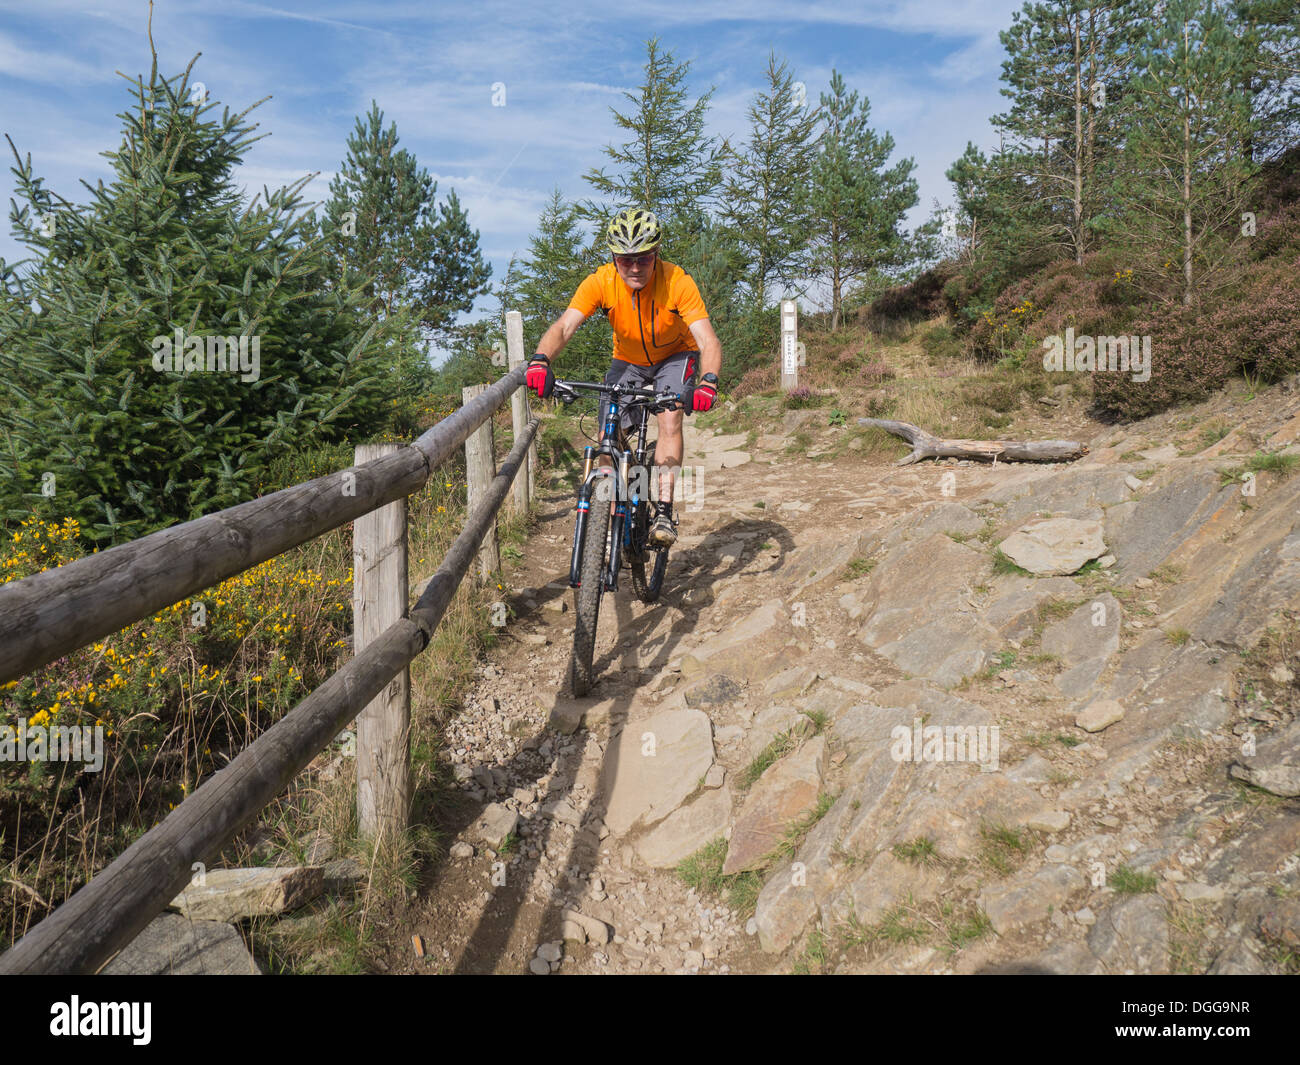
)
(887, 882)
(1014, 611)
(561, 810)
(718, 690)
(784, 908)
(1162, 519)
(567, 715)
(461, 850)
(1099, 714)
(551, 951)
(780, 797)
(1132, 936)
(1055, 546)
(715, 776)
(1194, 891)
(653, 766)
(341, 877)
(694, 959)
(572, 932)
(1012, 906)
(793, 681)
(1085, 917)
(1281, 923)
(233, 894)
(1049, 821)
(171, 945)
(686, 830)
(1275, 765)
(494, 824)
(595, 930)
(1132, 482)
(538, 967)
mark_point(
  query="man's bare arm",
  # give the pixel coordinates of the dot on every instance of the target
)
(560, 333)
(710, 347)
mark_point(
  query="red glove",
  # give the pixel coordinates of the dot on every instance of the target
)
(702, 397)
(539, 376)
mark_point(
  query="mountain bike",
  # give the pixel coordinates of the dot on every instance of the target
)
(603, 543)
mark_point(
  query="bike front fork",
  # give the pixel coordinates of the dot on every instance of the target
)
(618, 520)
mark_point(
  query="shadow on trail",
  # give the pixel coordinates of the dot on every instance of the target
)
(687, 587)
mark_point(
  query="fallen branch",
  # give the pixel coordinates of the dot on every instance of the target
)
(925, 446)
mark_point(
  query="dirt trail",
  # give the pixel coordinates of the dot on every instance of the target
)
(731, 555)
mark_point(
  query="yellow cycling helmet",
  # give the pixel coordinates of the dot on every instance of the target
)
(633, 230)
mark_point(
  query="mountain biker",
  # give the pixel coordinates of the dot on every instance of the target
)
(661, 332)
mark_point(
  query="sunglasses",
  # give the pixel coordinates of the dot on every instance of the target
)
(629, 261)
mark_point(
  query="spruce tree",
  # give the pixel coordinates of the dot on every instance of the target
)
(90, 427)
(766, 201)
(668, 165)
(857, 203)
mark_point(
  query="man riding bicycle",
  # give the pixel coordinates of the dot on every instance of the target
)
(661, 332)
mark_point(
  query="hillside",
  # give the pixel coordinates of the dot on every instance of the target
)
(821, 598)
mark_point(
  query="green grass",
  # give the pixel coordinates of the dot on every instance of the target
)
(1167, 574)
(859, 567)
(919, 851)
(1126, 881)
(1003, 848)
(1178, 637)
(1212, 434)
(796, 833)
(767, 757)
(1068, 740)
(1003, 566)
(703, 872)
(812, 961)
(820, 719)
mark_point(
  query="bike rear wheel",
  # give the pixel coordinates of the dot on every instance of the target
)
(647, 587)
(591, 573)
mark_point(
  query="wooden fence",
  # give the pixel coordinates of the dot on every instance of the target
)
(50, 614)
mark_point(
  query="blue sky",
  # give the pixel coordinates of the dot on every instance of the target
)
(929, 69)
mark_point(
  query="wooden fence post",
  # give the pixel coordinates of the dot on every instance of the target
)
(522, 489)
(789, 345)
(383, 743)
(480, 468)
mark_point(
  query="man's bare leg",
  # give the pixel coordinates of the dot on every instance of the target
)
(668, 452)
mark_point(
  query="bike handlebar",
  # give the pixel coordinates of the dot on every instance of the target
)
(670, 400)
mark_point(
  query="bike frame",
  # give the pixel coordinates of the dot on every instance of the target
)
(594, 475)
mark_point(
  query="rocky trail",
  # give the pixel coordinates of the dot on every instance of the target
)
(914, 755)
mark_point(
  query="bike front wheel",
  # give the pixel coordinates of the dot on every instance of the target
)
(591, 574)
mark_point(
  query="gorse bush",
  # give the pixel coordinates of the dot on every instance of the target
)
(90, 428)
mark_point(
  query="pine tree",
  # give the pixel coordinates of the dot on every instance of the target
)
(1186, 183)
(90, 427)
(856, 203)
(1067, 75)
(383, 224)
(669, 165)
(1268, 35)
(766, 202)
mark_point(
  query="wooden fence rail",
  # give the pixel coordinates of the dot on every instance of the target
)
(45, 616)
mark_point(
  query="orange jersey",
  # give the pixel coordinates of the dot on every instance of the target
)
(648, 325)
